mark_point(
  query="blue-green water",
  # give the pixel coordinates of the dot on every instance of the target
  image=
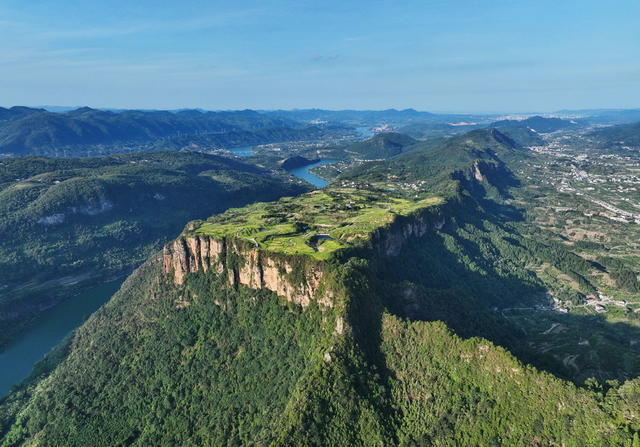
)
(242, 151)
(304, 174)
(17, 360)
(365, 132)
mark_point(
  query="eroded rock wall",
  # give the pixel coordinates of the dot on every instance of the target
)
(247, 266)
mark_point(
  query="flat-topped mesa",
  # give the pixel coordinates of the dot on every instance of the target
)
(245, 265)
(284, 246)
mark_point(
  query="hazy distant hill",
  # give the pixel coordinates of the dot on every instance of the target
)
(529, 132)
(538, 124)
(363, 117)
(17, 112)
(618, 136)
(382, 145)
(26, 131)
(610, 116)
(432, 130)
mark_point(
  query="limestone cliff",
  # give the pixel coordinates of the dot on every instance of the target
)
(246, 265)
(296, 278)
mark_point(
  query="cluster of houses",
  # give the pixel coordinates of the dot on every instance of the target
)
(600, 303)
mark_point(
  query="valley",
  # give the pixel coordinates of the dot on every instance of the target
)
(69, 224)
(319, 224)
(496, 247)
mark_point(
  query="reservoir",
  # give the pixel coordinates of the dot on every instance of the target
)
(304, 174)
(17, 360)
(365, 132)
(242, 151)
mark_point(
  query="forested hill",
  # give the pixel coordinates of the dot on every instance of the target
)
(434, 161)
(67, 223)
(87, 131)
(382, 145)
(620, 136)
(374, 312)
(539, 124)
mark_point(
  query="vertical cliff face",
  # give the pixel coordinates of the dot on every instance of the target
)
(193, 254)
(245, 265)
(296, 278)
(389, 241)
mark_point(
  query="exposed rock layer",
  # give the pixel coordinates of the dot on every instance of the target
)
(251, 267)
(258, 269)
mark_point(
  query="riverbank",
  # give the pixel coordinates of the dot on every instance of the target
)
(18, 358)
(304, 173)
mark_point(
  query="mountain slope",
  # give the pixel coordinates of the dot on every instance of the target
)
(382, 145)
(17, 112)
(312, 321)
(620, 136)
(431, 163)
(67, 223)
(86, 131)
(206, 362)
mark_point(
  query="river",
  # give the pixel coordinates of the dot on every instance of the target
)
(17, 360)
(301, 172)
(304, 174)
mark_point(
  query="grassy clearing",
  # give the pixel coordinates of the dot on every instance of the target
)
(315, 224)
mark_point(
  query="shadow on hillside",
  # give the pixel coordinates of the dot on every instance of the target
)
(471, 276)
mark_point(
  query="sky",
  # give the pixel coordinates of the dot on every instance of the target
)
(450, 55)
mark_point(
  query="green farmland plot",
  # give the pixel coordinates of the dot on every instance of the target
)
(315, 224)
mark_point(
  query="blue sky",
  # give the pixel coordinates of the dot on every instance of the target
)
(456, 55)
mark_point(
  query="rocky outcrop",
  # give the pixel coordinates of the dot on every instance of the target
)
(245, 265)
(477, 172)
(390, 240)
(296, 278)
(395, 239)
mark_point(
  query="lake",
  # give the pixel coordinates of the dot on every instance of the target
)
(242, 151)
(365, 132)
(304, 174)
(17, 360)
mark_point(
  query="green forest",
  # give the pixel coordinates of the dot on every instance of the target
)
(69, 223)
(443, 327)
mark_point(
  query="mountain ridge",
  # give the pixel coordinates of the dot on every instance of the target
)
(86, 131)
(231, 336)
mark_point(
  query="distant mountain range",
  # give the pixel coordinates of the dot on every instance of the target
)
(538, 124)
(90, 132)
(25, 131)
(620, 136)
(605, 115)
(355, 117)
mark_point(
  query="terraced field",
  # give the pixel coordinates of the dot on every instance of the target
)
(315, 224)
